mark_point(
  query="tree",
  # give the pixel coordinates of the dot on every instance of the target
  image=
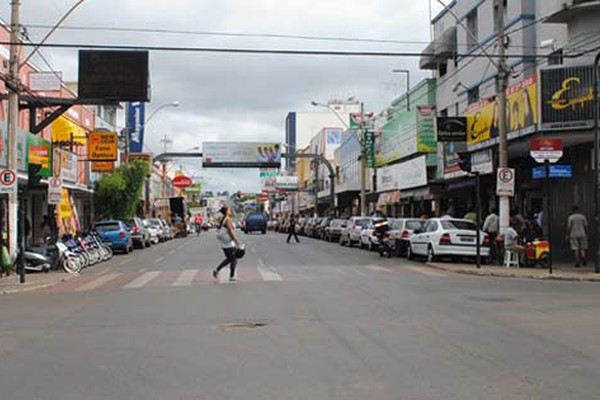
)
(117, 195)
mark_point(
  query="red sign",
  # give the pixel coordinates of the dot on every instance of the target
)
(546, 150)
(182, 182)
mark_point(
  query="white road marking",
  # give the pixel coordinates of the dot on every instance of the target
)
(268, 274)
(159, 260)
(124, 262)
(185, 278)
(379, 268)
(142, 280)
(360, 273)
(425, 271)
(172, 251)
(96, 283)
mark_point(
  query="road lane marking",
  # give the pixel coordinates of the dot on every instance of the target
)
(159, 260)
(185, 278)
(425, 271)
(172, 251)
(96, 283)
(267, 273)
(379, 268)
(142, 280)
(124, 262)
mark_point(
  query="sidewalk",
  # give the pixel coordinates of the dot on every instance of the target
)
(562, 272)
(10, 284)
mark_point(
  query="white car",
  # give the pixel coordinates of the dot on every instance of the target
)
(450, 237)
(368, 239)
(351, 234)
(154, 234)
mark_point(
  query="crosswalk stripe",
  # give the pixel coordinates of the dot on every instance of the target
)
(425, 271)
(185, 278)
(142, 280)
(96, 283)
(269, 275)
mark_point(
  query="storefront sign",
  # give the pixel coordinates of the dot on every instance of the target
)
(482, 162)
(39, 152)
(241, 154)
(103, 166)
(406, 175)
(64, 130)
(505, 183)
(67, 221)
(68, 166)
(483, 121)
(102, 146)
(452, 129)
(54, 191)
(369, 148)
(556, 171)
(543, 150)
(289, 183)
(567, 97)
(426, 142)
(398, 138)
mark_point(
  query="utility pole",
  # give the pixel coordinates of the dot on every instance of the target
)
(13, 118)
(363, 163)
(504, 201)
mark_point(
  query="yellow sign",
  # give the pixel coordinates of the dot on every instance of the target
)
(521, 103)
(63, 130)
(103, 166)
(102, 146)
(67, 222)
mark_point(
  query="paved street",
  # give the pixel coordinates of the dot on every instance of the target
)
(305, 321)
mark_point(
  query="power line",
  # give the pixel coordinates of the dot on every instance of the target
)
(233, 50)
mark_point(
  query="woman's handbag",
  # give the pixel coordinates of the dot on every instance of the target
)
(240, 251)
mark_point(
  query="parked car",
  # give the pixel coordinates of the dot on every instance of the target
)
(153, 230)
(334, 230)
(320, 229)
(450, 237)
(400, 231)
(139, 233)
(309, 228)
(115, 234)
(300, 226)
(168, 229)
(157, 224)
(351, 234)
(255, 221)
(368, 239)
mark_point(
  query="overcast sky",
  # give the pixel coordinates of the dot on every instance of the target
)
(242, 97)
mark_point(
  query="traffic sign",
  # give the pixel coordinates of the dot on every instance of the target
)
(54, 190)
(182, 181)
(505, 184)
(543, 150)
(8, 181)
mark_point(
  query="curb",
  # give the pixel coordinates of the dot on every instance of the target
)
(593, 279)
(24, 289)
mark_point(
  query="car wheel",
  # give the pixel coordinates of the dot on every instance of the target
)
(397, 248)
(341, 241)
(409, 252)
(430, 254)
(370, 245)
(126, 250)
(264, 232)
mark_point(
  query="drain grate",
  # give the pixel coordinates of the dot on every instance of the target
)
(241, 325)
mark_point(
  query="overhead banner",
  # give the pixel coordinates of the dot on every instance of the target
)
(567, 97)
(136, 117)
(102, 146)
(483, 121)
(288, 183)
(241, 155)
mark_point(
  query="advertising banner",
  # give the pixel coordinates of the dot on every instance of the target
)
(397, 139)
(452, 129)
(289, 183)
(369, 149)
(103, 166)
(63, 130)
(39, 152)
(67, 220)
(333, 139)
(241, 154)
(521, 103)
(426, 140)
(102, 146)
(567, 97)
(267, 179)
(136, 116)
(406, 175)
(65, 165)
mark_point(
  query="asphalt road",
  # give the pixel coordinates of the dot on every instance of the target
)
(305, 321)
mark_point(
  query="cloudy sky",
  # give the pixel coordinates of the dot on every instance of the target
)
(241, 97)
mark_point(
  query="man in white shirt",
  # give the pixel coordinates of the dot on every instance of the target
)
(511, 241)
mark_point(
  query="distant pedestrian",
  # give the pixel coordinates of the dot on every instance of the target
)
(292, 229)
(512, 241)
(471, 215)
(517, 221)
(229, 243)
(577, 227)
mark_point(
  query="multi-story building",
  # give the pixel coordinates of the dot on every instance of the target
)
(542, 37)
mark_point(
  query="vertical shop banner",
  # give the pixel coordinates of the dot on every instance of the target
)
(521, 105)
(64, 165)
(567, 97)
(39, 151)
(369, 148)
(426, 138)
(136, 117)
(333, 139)
(67, 221)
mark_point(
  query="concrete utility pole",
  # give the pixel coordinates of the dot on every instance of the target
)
(504, 201)
(13, 119)
(363, 163)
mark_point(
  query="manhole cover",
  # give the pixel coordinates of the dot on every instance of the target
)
(491, 299)
(241, 325)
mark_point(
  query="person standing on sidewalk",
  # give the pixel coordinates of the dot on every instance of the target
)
(292, 229)
(229, 243)
(577, 235)
(491, 226)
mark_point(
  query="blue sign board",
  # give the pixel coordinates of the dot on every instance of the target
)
(556, 171)
(136, 115)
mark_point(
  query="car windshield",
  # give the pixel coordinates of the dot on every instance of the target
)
(155, 222)
(363, 222)
(458, 225)
(414, 225)
(107, 227)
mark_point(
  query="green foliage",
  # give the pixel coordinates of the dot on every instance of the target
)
(117, 195)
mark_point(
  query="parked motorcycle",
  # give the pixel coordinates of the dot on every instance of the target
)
(52, 255)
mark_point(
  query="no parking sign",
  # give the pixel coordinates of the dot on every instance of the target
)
(8, 181)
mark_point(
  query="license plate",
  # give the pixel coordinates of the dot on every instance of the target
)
(468, 240)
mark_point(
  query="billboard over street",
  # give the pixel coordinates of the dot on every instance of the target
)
(241, 155)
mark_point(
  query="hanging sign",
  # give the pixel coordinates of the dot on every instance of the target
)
(543, 150)
(8, 181)
(182, 182)
(54, 190)
(102, 146)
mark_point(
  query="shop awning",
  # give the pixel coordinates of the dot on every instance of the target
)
(388, 198)
(438, 51)
(62, 128)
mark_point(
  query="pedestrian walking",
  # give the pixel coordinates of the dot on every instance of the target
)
(577, 227)
(292, 229)
(229, 243)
